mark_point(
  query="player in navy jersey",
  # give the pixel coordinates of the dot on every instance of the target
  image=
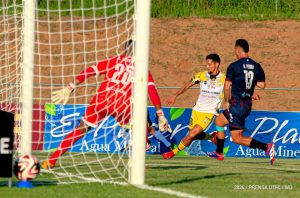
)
(241, 78)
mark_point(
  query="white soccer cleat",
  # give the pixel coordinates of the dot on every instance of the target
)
(271, 152)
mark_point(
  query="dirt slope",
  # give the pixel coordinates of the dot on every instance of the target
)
(179, 47)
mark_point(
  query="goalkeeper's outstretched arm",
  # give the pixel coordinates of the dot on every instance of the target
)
(62, 95)
(155, 99)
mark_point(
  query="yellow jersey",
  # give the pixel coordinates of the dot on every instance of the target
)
(211, 92)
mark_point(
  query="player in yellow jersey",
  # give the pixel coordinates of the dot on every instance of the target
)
(211, 95)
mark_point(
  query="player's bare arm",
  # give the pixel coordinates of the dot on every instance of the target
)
(255, 97)
(261, 85)
(227, 91)
(171, 100)
(155, 99)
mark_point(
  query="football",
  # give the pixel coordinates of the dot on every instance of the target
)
(26, 167)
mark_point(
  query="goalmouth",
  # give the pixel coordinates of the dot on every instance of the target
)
(55, 40)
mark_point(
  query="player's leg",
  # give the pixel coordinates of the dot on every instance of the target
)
(198, 123)
(238, 138)
(66, 144)
(238, 115)
(235, 117)
(186, 139)
(220, 122)
(203, 120)
(195, 133)
(94, 114)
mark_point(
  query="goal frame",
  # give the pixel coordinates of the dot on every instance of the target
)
(27, 76)
(136, 175)
(140, 92)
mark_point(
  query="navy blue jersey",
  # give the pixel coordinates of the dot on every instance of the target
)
(244, 74)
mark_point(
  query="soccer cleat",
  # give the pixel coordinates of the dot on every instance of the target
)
(47, 165)
(168, 155)
(271, 152)
(214, 139)
(215, 155)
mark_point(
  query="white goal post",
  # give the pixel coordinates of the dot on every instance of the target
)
(53, 42)
(27, 78)
(141, 54)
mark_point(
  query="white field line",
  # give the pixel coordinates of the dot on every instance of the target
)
(168, 191)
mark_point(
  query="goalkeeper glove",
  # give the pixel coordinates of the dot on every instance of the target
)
(162, 121)
(62, 95)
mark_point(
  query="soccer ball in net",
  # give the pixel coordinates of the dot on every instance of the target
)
(26, 167)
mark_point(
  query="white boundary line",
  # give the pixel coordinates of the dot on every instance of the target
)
(144, 187)
(168, 191)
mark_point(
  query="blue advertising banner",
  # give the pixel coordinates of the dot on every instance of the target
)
(278, 127)
(62, 119)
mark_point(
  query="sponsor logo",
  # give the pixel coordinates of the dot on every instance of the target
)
(4, 145)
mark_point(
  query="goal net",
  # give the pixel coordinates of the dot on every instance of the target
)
(11, 23)
(72, 39)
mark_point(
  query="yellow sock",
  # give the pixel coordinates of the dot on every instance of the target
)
(180, 147)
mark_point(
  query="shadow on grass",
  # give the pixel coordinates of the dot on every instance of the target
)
(276, 167)
(171, 167)
(187, 180)
(281, 170)
(256, 162)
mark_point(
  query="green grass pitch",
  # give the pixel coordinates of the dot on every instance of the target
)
(197, 176)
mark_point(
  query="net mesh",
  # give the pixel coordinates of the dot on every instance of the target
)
(11, 24)
(70, 37)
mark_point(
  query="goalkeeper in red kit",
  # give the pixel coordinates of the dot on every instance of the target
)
(112, 99)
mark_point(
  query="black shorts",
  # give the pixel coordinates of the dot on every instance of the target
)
(238, 111)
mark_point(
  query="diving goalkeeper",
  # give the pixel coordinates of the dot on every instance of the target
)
(112, 99)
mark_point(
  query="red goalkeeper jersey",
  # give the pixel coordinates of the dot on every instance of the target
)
(114, 93)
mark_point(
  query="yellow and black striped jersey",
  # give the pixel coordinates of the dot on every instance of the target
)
(211, 92)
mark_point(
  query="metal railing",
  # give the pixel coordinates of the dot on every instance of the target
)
(273, 88)
(158, 87)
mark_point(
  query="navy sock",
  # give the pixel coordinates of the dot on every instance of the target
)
(257, 144)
